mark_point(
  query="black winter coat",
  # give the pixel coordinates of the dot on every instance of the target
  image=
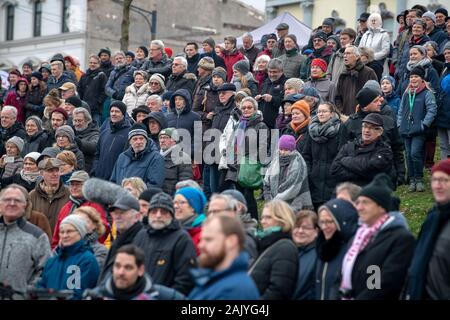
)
(17, 179)
(270, 109)
(183, 80)
(91, 88)
(301, 137)
(319, 157)
(353, 130)
(170, 254)
(275, 270)
(359, 163)
(176, 172)
(34, 106)
(87, 142)
(15, 130)
(164, 67)
(35, 143)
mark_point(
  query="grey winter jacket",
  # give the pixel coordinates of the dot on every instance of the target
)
(325, 87)
(24, 250)
(87, 143)
(178, 168)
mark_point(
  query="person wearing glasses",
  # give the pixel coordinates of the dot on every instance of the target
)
(360, 160)
(338, 221)
(137, 93)
(180, 77)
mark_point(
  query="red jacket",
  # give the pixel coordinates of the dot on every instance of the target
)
(230, 59)
(195, 233)
(13, 99)
(65, 212)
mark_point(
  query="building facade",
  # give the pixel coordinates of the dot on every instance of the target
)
(36, 29)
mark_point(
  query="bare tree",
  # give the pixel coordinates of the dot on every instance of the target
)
(125, 25)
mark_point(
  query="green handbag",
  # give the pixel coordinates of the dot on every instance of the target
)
(249, 175)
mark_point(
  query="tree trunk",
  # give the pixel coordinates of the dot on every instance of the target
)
(125, 25)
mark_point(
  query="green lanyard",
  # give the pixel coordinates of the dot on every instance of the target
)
(411, 100)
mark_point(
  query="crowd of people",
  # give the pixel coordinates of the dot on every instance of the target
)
(141, 177)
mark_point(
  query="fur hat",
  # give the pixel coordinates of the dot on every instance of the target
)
(206, 63)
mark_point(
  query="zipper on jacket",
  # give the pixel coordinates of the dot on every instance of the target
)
(9, 257)
(3, 247)
(324, 274)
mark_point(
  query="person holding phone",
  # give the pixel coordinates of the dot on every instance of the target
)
(11, 163)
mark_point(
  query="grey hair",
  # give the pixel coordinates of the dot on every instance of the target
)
(356, 50)
(156, 98)
(188, 183)
(248, 35)
(94, 56)
(117, 53)
(368, 52)
(12, 109)
(352, 189)
(59, 64)
(232, 203)
(159, 43)
(182, 60)
(15, 186)
(87, 115)
(275, 63)
(252, 101)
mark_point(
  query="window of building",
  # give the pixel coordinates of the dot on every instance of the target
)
(10, 22)
(65, 15)
(37, 22)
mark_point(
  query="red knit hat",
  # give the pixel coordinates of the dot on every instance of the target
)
(443, 165)
(322, 64)
(168, 51)
(303, 106)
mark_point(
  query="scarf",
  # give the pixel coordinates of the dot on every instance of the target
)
(298, 127)
(29, 177)
(129, 293)
(76, 203)
(49, 191)
(363, 236)
(322, 132)
(267, 232)
(291, 53)
(91, 237)
(327, 250)
(240, 132)
(422, 63)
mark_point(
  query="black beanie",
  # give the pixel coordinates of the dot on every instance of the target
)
(75, 101)
(365, 96)
(120, 105)
(443, 11)
(148, 194)
(379, 190)
(144, 48)
(418, 71)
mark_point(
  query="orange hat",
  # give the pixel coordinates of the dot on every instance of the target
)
(303, 106)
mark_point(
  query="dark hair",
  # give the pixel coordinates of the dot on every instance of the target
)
(134, 251)
(231, 39)
(192, 44)
(231, 226)
(306, 214)
(350, 32)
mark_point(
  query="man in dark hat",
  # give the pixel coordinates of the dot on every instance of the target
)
(209, 46)
(170, 252)
(282, 31)
(441, 16)
(105, 61)
(320, 50)
(269, 45)
(362, 26)
(360, 160)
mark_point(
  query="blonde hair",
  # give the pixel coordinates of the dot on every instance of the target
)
(136, 183)
(94, 216)
(67, 157)
(281, 212)
(52, 98)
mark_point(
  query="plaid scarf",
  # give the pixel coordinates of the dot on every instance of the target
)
(363, 236)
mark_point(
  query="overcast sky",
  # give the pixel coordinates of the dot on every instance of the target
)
(258, 4)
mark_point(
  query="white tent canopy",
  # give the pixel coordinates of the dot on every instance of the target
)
(296, 27)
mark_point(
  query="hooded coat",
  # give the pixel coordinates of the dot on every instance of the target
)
(17, 101)
(161, 119)
(163, 66)
(35, 143)
(147, 164)
(376, 38)
(135, 97)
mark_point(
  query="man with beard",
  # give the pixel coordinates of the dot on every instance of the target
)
(86, 135)
(106, 65)
(169, 249)
(223, 262)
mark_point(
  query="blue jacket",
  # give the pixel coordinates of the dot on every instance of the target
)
(443, 114)
(393, 101)
(307, 259)
(187, 117)
(431, 76)
(147, 164)
(119, 80)
(61, 269)
(422, 116)
(112, 142)
(229, 284)
(52, 83)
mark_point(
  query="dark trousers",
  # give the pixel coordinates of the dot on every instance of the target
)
(251, 201)
(415, 156)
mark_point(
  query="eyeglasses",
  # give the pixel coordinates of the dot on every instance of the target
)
(179, 202)
(325, 222)
(440, 180)
(247, 108)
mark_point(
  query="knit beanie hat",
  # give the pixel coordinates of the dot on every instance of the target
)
(65, 131)
(320, 35)
(295, 83)
(242, 66)
(287, 142)
(365, 96)
(130, 54)
(322, 64)
(328, 22)
(148, 194)
(210, 42)
(447, 46)
(37, 75)
(75, 101)
(220, 72)
(119, 105)
(163, 201)
(390, 79)
(104, 50)
(442, 10)
(430, 15)
(443, 165)
(76, 221)
(196, 198)
(303, 106)
(17, 141)
(33, 155)
(171, 132)
(374, 85)
(158, 77)
(418, 71)
(311, 92)
(137, 129)
(144, 48)
(62, 111)
(206, 63)
(36, 120)
(379, 190)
